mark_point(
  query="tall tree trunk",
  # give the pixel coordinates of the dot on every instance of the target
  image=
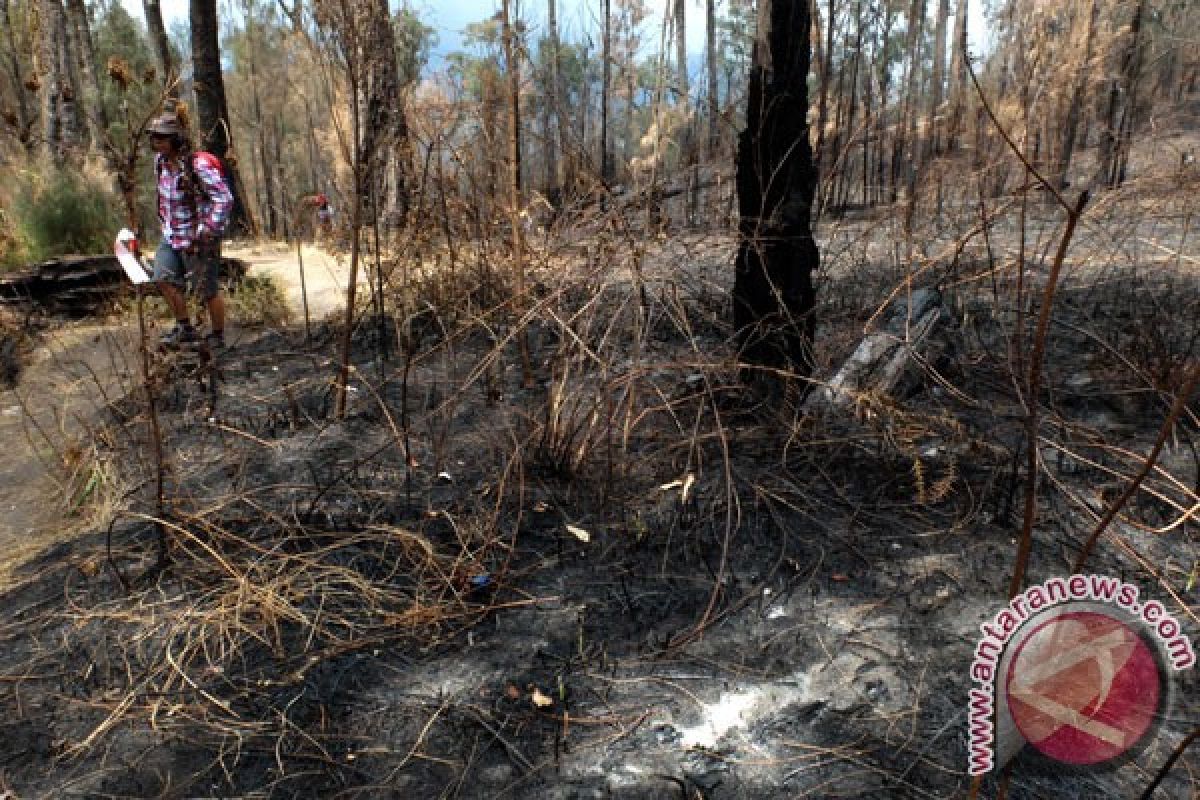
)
(1133, 75)
(74, 125)
(710, 60)
(681, 69)
(958, 85)
(159, 42)
(515, 198)
(773, 293)
(50, 77)
(825, 79)
(556, 139)
(267, 210)
(1121, 101)
(605, 97)
(882, 168)
(907, 125)
(212, 112)
(1075, 105)
(25, 116)
(842, 196)
(97, 120)
(937, 78)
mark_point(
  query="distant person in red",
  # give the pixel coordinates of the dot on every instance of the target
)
(194, 202)
(324, 217)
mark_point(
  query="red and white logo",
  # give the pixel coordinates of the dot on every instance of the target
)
(1083, 687)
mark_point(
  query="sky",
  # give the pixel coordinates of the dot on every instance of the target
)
(448, 19)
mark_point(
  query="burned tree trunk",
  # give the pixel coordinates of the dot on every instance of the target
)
(212, 112)
(773, 293)
(158, 38)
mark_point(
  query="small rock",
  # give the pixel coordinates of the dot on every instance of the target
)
(499, 775)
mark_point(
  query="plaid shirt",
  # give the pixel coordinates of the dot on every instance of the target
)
(175, 206)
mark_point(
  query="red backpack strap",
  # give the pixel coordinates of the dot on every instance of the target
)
(208, 160)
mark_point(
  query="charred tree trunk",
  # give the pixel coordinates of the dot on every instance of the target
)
(52, 81)
(212, 112)
(958, 65)
(710, 60)
(826, 69)
(74, 126)
(1075, 107)
(552, 117)
(24, 115)
(937, 79)
(515, 196)
(1121, 102)
(687, 151)
(773, 293)
(605, 100)
(158, 39)
(85, 53)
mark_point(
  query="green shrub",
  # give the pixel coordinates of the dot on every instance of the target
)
(65, 213)
(258, 300)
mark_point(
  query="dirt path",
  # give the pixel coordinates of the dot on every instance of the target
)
(324, 275)
(79, 368)
(44, 426)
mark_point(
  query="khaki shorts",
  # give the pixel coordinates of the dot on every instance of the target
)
(195, 271)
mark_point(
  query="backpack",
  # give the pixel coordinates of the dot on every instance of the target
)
(193, 187)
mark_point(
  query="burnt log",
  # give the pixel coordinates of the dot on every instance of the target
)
(80, 286)
(10, 361)
(904, 340)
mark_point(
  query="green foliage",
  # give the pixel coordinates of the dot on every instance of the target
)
(258, 300)
(64, 213)
(118, 36)
(414, 42)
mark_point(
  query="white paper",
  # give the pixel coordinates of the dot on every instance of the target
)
(129, 262)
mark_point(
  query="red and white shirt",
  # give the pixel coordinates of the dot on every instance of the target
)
(181, 222)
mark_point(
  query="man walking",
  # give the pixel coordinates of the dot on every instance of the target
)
(194, 202)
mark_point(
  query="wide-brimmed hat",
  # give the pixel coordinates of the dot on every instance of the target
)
(165, 125)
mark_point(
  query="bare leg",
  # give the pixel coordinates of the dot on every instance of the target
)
(175, 300)
(216, 312)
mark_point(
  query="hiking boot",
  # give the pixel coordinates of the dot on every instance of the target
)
(179, 335)
(215, 341)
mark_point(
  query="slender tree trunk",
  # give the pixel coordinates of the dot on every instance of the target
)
(342, 380)
(555, 140)
(907, 125)
(710, 60)
(958, 87)
(937, 78)
(605, 97)
(212, 113)
(825, 79)
(267, 212)
(1122, 85)
(1133, 75)
(842, 197)
(1075, 105)
(882, 168)
(159, 42)
(686, 150)
(516, 200)
(50, 78)
(97, 121)
(25, 116)
(868, 130)
(773, 293)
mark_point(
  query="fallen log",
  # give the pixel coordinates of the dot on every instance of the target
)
(886, 354)
(79, 286)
